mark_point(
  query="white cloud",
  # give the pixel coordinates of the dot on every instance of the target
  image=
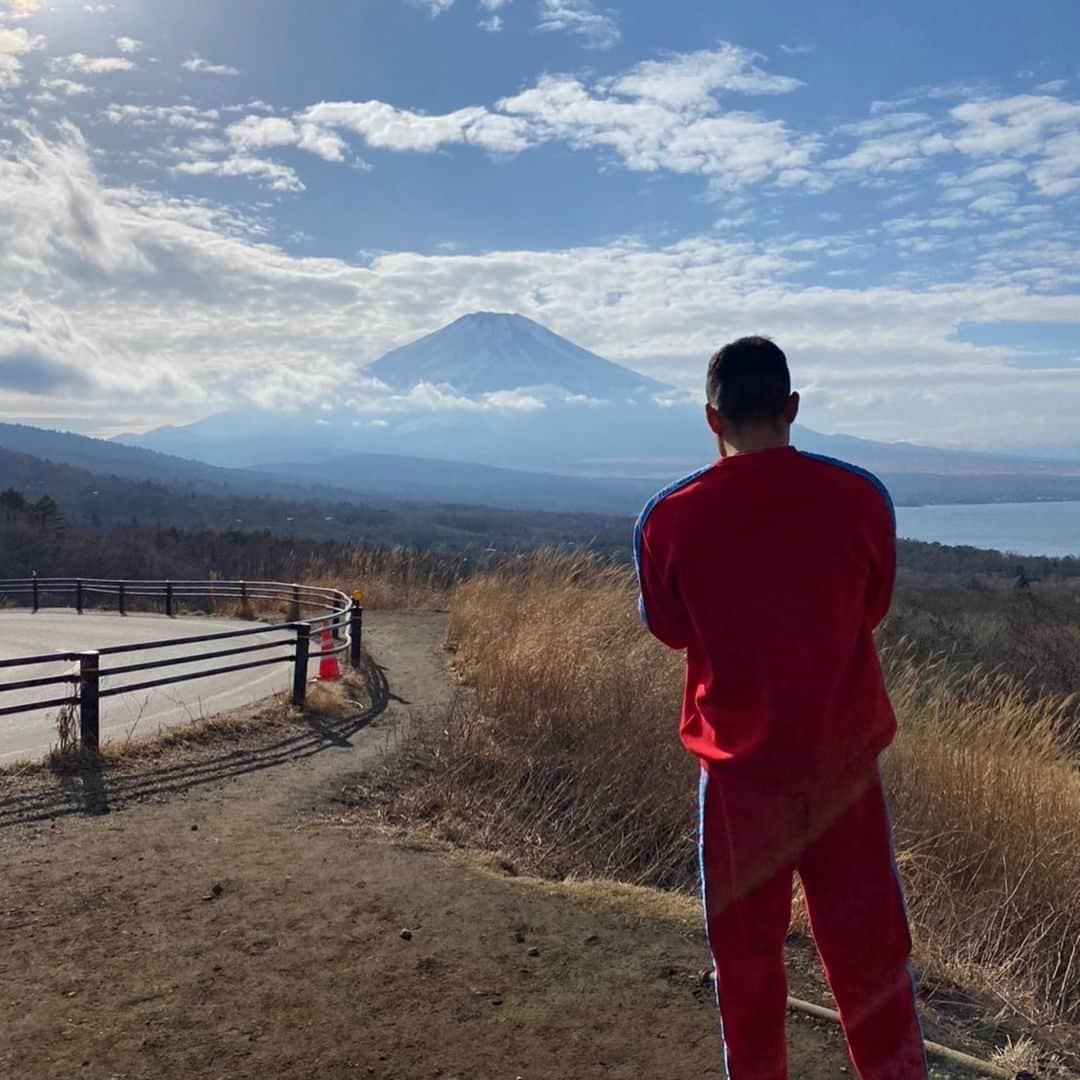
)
(798, 50)
(689, 80)
(254, 105)
(515, 400)
(931, 93)
(15, 42)
(128, 45)
(885, 123)
(1039, 127)
(1018, 124)
(10, 72)
(186, 117)
(275, 175)
(1058, 173)
(493, 24)
(436, 7)
(80, 64)
(261, 132)
(41, 354)
(1000, 170)
(20, 9)
(895, 153)
(197, 63)
(731, 148)
(435, 397)
(659, 116)
(65, 87)
(62, 219)
(388, 128)
(994, 202)
(599, 29)
(914, 223)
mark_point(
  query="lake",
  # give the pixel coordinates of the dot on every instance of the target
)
(1042, 528)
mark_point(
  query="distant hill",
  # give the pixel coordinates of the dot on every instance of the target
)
(430, 480)
(350, 478)
(104, 457)
(111, 500)
(387, 479)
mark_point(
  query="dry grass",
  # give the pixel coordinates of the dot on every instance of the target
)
(987, 807)
(570, 764)
(392, 579)
(67, 734)
(1018, 1056)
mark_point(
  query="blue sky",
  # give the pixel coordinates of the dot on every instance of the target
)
(224, 202)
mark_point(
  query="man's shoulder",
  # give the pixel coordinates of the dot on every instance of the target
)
(849, 477)
(675, 492)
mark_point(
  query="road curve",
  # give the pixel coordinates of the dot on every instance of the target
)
(27, 736)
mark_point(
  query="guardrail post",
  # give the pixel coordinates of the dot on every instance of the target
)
(294, 614)
(78, 596)
(303, 647)
(33, 574)
(356, 626)
(121, 602)
(168, 599)
(89, 684)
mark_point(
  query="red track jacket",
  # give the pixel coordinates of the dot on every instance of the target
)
(772, 569)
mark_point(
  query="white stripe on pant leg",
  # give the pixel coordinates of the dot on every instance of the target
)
(705, 908)
(903, 907)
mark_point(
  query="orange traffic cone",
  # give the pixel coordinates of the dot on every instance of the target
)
(329, 668)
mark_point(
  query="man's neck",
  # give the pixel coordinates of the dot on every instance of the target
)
(754, 442)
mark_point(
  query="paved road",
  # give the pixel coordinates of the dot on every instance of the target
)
(22, 633)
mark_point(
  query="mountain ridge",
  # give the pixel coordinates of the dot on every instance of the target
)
(27, 454)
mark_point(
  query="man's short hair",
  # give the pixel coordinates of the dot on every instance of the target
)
(749, 381)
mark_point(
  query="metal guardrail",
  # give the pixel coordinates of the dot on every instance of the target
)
(337, 617)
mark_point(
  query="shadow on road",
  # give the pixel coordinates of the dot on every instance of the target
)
(94, 787)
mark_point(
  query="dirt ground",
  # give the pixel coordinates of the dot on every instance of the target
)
(222, 916)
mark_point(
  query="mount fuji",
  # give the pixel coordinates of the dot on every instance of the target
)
(486, 352)
(489, 389)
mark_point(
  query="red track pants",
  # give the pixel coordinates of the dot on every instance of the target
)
(752, 840)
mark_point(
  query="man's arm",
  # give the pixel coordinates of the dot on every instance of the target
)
(883, 567)
(659, 604)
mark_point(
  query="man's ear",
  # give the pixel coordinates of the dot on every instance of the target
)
(791, 409)
(715, 421)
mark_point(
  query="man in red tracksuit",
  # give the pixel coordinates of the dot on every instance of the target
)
(771, 568)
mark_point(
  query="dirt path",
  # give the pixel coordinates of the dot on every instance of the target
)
(217, 922)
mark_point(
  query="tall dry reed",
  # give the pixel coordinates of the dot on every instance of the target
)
(390, 578)
(571, 762)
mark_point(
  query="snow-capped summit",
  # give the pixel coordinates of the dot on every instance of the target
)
(488, 351)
